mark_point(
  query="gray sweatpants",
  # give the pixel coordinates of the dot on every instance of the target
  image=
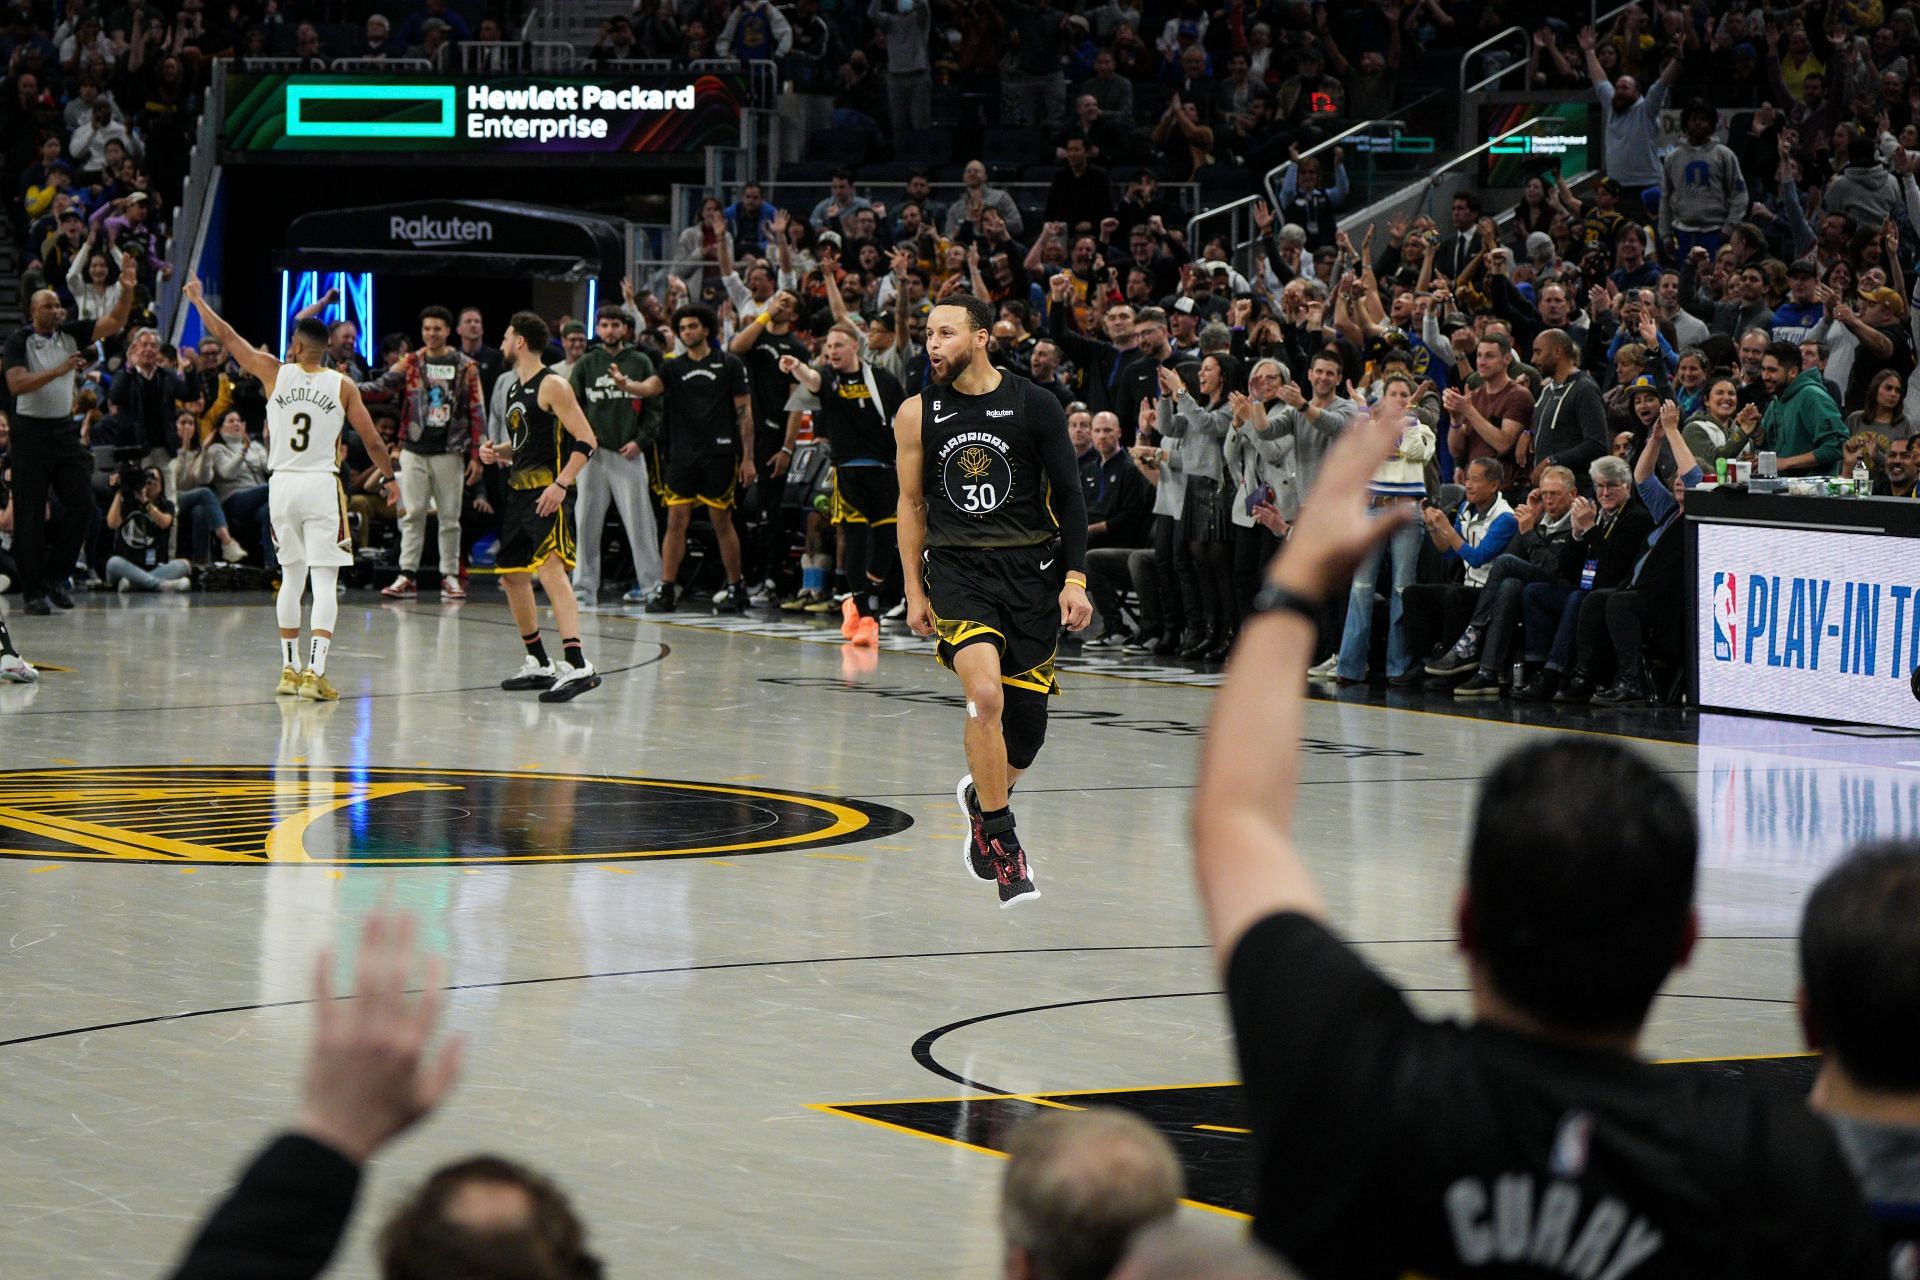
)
(610, 479)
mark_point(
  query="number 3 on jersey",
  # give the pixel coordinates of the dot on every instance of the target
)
(302, 432)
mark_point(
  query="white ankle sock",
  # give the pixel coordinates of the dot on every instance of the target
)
(320, 646)
(290, 652)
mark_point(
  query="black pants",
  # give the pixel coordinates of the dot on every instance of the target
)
(48, 459)
(1107, 574)
(1436, 611)
(1253, 548)
(1627, 628)
(1178, 593)
(1593, 650)
(1144, 569)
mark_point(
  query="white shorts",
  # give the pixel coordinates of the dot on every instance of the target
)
(309, 514)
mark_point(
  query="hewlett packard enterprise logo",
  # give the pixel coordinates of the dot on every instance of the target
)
(1831, 625)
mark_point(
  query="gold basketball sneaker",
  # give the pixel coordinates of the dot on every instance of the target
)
(289, 686)
(314, 688)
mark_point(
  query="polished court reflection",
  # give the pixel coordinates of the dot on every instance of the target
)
(703, 917)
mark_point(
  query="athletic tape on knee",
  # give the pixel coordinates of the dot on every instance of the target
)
(286, 605)
(1023, 724)
(326, 598)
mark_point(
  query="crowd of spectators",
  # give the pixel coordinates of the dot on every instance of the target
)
(1573, 363)
(1461, 443)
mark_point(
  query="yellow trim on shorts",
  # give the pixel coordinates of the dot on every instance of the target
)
(673, 499)
(957, 632)
(1039, 679)
(843, 512)
(557, 544)
(726, 502)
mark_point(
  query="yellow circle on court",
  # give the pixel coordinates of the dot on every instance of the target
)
(285, 814)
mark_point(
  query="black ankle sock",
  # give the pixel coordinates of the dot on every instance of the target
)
(996, 821)
(571, 648)
(535, 650)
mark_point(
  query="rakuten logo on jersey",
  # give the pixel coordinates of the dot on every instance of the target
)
(438, 233)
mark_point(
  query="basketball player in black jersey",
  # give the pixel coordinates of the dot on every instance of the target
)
(993, 539)
(856, 404)
(549, 442)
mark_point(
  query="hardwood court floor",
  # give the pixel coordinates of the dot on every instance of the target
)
(691, 912)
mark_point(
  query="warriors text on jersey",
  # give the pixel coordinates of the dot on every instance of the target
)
(988, 463)
(535, 435)
(304, 420)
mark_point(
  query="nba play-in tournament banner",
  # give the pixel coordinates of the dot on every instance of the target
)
(455, 118)
(1808, 623)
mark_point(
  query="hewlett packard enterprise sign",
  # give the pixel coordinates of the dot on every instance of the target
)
(1808, 623)
(436, 117)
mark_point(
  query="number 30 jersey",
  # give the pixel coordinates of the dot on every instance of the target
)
(984, 458)
(304, 420)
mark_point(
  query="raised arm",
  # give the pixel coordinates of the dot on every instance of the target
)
(245, 354)
(116, 320)
(1242, 821)
(1595, 72)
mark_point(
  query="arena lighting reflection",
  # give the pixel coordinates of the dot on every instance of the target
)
(300, 290)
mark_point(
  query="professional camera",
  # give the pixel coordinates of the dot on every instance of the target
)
(130, 469)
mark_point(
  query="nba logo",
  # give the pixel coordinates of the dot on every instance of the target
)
(1726, 616)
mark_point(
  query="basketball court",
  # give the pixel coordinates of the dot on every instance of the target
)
(721, 967)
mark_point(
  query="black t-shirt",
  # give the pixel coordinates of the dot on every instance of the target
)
(1866, 364)
(700, 394)
(138, 539)
(770, 386)
(1388, 1145)
(856, 428)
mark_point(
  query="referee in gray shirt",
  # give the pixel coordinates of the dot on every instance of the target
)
(49, 456)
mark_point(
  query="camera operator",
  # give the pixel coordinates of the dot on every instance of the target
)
(140, 516)
(41, 359)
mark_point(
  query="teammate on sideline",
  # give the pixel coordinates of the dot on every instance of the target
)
(307, 406)
(536, 529)
(993, 539)
(854, 404)
(709, 415)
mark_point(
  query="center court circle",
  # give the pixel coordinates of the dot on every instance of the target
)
(280, 815)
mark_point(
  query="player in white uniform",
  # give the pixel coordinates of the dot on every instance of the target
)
(308, 405)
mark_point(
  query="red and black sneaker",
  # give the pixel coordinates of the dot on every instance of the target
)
(979, 856)
(1011, 870)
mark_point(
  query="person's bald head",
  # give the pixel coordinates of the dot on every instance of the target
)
(485, 1206)
(45, 309)
(1079, 1185)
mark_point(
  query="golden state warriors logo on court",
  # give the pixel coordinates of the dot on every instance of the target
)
(977, 476)
(242, 814)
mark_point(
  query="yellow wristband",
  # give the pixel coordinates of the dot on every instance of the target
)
(1076, 579)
